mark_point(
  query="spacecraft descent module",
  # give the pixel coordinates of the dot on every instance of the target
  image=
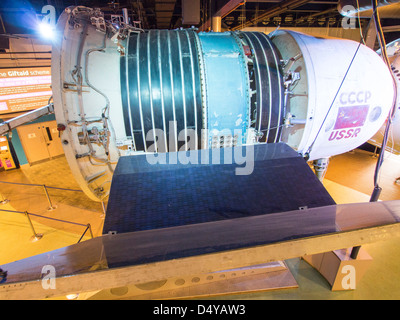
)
(119, 91)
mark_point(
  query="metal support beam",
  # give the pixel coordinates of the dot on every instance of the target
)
(316, 15)
(277, 9)
(391, 28)
(370, 38)
(216, 24)
(11, 124)
(164, 11)
(229, 7)
(223, 12)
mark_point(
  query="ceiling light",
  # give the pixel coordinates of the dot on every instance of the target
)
(46, 30)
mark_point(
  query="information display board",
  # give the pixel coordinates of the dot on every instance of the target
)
(24, 89)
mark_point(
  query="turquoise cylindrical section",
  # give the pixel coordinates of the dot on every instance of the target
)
(227, 88)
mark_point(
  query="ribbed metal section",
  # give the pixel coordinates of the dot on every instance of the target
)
(269, 86)
(227, 88)
(199, 81)
(160, 82)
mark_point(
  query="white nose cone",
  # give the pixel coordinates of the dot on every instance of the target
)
(344, 94)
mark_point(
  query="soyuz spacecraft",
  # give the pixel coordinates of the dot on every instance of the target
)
(121, 91)
(123, 96)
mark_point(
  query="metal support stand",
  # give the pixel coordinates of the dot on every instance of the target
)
(375, 154)
(88, 227)
(36, 236)
(320, 167)
(354, 252)
(103, 206)
(51, 207)
(3, 200)
(374, 197)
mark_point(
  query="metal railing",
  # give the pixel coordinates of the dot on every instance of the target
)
(37, 236)
(51, 206)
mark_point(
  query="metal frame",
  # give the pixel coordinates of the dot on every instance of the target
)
(118, 277)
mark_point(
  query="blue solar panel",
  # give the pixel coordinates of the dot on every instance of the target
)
(147, 196)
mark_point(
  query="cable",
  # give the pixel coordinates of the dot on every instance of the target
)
(382, 44)
(359, 22)
(381, 39)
